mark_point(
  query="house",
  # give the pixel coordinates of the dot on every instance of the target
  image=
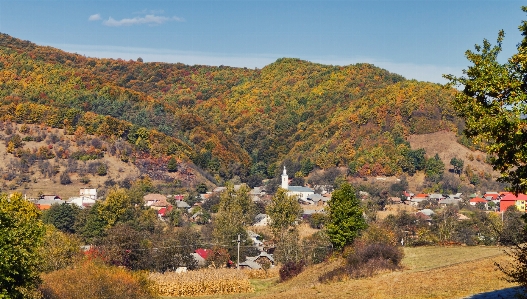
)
(182, 204)
(423, 217)
(256, 193)
(88, 193)
(491, 195)
(474, 201)
(436, 196)
(261, 220)
(163, 211)
(511, 199)
(258, 261)
(448, 201)
(408, 195)
(318, 199)
(81, 201)
(301, 192)
(200, 255)
(416, 199)
(152, 198)
(45, 204)
(50, 197)
(395, 200)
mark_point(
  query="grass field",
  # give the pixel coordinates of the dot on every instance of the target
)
(429, 272)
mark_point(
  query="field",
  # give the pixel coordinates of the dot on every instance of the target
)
(429, 272)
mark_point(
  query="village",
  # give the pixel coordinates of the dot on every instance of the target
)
(422, 206)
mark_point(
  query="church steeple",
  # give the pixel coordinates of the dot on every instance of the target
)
(285, 180)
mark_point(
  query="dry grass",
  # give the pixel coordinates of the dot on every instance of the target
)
(430, 272)
(445, 145)
(394, 210)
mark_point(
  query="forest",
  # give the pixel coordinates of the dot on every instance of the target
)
(229, 122)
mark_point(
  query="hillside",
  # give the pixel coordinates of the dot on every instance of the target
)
(230, 122)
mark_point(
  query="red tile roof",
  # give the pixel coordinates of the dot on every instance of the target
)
(478, 199)
(512, 197)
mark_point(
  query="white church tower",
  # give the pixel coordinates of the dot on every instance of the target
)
(285, 180)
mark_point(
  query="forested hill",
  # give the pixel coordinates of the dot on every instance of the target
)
(229, 121)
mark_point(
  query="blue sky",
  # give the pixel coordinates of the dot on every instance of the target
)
(418, 39)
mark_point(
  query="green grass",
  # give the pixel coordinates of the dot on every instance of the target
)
(418, 259)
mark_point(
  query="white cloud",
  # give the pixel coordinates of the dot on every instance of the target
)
(95, 17)
(147, 19)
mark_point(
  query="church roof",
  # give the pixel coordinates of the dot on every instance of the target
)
(299, 189)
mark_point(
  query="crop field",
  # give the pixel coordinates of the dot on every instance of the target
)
(429, 272)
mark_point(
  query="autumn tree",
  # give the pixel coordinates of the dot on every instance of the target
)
(493, 102)
(236, 210)
(59, 250)
(345, 217)
(21, 234)
(283, 210)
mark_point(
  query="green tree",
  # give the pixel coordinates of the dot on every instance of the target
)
(345, 217)
(172, 165)
(201, 188)
(434, 169)
(283, 210)
(62, 216)
(493, 103)
(236, 210)
(457, 164)
(21, 234)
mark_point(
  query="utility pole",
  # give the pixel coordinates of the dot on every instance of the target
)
(238, 260)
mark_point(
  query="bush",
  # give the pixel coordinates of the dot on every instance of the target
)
(291, 269)
(65, 178)
(368, 259)
(92, 279)
(374, 252)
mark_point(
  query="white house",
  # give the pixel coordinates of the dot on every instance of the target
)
(90, 193)
(302, 192)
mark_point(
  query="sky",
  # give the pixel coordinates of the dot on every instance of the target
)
(420, 39)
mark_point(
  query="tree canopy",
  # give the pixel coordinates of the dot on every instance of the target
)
(21, 234)
(493, 101)
(345, 217)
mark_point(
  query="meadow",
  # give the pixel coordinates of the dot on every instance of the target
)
(429, 272)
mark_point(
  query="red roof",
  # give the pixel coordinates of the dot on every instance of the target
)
(477, 199)
(203, 252)
(512, 197)
(493, 195)
(421, 195)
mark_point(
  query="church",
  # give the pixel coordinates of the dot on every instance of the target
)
(302, 192)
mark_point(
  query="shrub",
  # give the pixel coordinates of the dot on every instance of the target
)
(291, 269)
(374, 252)
(65, 178)
(92, 279)
(368, 259)
(102, 170)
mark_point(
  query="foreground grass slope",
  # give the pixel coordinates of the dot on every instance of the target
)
(429, 272)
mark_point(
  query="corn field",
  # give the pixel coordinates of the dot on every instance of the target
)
(202, 282)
